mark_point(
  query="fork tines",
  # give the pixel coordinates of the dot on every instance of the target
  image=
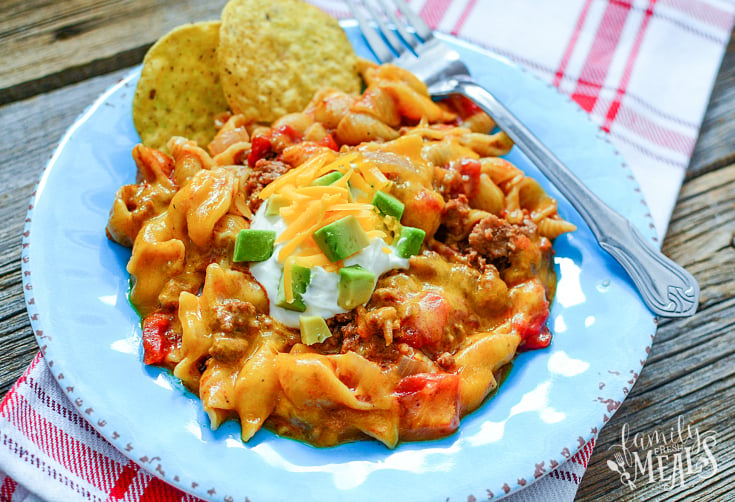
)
(389, 31)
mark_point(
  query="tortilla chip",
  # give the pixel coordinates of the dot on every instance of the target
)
(274, 55)
(179, 91)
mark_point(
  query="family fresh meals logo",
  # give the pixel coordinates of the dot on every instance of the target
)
(677, 457)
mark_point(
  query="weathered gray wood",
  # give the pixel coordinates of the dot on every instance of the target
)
(46, 45)
(37, 126)
(715, 146)
(690, 372)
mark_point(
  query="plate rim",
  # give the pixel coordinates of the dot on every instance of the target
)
(37, 323)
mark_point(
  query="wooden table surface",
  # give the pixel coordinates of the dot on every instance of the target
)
(56, 57)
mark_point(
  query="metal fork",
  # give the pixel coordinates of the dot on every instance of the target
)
(399, 36)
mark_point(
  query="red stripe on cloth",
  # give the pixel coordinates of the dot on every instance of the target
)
(644, 150)
(20, 381)
(62, 476)
(703, 12)
(433, 12)
(565, 476)
(158, 491)
(37, 385)
(123, 481)
(463, 17)
(10, 405)
(559, 75)
(654, 132)
(84, 462)
(582, 457)
(192, 498)
(597, 64)
(137, 486)
(7, 490)
(612, 111)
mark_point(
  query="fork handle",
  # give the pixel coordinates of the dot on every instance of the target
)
(667, 288)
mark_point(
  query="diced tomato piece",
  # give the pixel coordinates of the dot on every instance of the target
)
(288, 131)
(466, 107)
(539, 340)
(271, 144)
(284, 136)
(530, 315)
(470, 169)
(158, 337)
(429, 405)
(426, 320)
(260, 147)
(530, 323)
(329, 142)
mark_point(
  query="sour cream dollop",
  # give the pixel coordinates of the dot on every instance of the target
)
(320, 297)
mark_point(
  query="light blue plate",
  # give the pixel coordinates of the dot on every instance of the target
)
(552, 402)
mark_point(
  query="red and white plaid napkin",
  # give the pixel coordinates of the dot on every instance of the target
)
(643, 70)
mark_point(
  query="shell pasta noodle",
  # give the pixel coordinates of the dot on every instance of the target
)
(367, 267)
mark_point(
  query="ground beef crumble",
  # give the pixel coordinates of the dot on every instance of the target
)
(263, 173)
(454, 223)
(497, 239)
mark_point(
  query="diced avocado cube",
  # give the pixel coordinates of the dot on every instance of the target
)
(275, 203)
(254, 245)
(341, 238)
(314, 329)
(355, 286)
(327, 179)
(388, 205)
(409, 241)
(300, 278)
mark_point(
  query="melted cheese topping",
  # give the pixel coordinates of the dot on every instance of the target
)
(305, 208)
(321, 294)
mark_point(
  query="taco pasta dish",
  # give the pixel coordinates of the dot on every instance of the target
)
(364, 268)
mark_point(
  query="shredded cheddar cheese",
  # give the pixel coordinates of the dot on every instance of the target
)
(306, 207)
(315, 260)
(301, 176)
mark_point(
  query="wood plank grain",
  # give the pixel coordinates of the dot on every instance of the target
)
(46, 45)
(37, 126)
(714, 146)
(690, 372)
